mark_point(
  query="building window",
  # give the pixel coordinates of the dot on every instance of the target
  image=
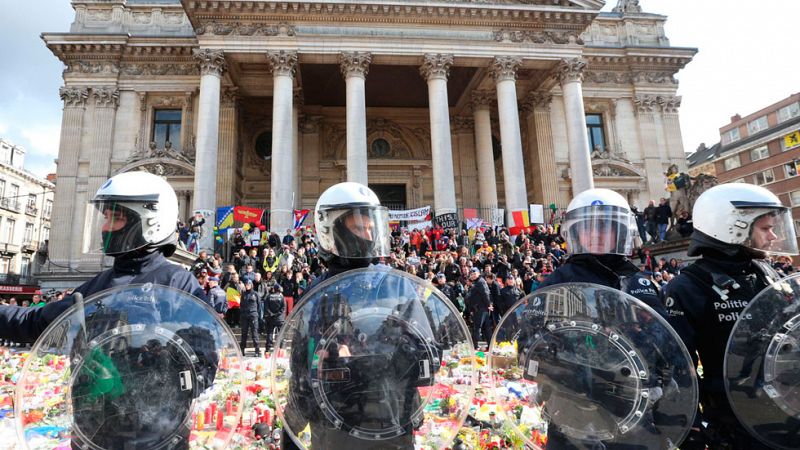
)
(759, 153)
(732, 162)
(2, 188)
(48, 208)
(794, 197)
(757, 125)
(765, 177)
(731, 136)
(45, 233)
(167, 128)
(788, 112)
(5, 154)
(792, 168)
(25, 267)
(28, 232)
(738, 180)
(264, 145)
(594, 127)
(5, 264)
(8, 230)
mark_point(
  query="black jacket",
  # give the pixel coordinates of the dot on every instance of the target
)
(614, 271)
(249, 303)
(479, 298)
(26, 324)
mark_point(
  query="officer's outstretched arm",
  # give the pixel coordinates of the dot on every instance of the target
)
(22, 324)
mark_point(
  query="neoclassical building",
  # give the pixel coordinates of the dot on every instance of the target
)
(450, 103)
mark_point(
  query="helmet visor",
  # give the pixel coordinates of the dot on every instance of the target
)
(361, 232)
(114, 228)
(599, 230)
(773, 232)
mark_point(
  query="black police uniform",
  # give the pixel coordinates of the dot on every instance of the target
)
(274, 313)
(249, 317)
(703, 303)
(218, 299)
(618, 272)
(26, 324)
(614, 271)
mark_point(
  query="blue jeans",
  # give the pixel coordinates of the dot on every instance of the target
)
(662, 231)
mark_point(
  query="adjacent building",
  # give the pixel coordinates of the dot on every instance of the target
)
(453, 103)
(26, 207)
(761, 148)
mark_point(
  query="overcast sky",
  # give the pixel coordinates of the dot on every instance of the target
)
(748, 59)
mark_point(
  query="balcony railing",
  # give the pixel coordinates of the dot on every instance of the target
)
(31, 210)
(10, 204)
(16, 279)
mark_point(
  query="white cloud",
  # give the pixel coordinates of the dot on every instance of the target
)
(42, 139)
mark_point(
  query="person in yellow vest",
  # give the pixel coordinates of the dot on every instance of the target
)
(271, 262)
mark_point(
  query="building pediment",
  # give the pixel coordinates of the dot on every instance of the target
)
(615, 168)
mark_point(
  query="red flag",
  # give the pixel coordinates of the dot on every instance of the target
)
(470, 213)
(246, 214)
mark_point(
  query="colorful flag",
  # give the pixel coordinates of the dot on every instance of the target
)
(224, 217)
(470, 213)
(299, 217)
(234, 297)
(246, 214)
(521, 218)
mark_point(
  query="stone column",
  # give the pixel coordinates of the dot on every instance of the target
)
(212, 65)
(540, 148)
(484, 153)
(504, 72)
(284, 64)
(310, 178)
(435, 69)
(354, 67)
(228, 140)
(65, 211)
(570, 75)
(646, 106)
(672, 130)
(297, 104)
(106, 100)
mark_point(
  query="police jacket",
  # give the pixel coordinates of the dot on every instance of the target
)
(508, 297)
(249, 303)
(274, 306)
(704, 303)
(614, 271)
(478, 297)
(218, 299)
(26, 324)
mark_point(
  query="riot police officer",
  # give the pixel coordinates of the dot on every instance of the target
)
(736, 226)
(353, 232)
(599, 229)
(133, 220)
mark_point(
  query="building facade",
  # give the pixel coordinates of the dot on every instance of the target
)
(453, 103)
(763, 148)
(26, 207)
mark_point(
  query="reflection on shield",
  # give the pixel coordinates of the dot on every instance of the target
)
(373, 355)
(587, 365)
(762, 365)
(137, 363)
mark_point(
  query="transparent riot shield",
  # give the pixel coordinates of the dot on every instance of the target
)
(587, 366)
(373, 358)
(762, 365)
(134, 367)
